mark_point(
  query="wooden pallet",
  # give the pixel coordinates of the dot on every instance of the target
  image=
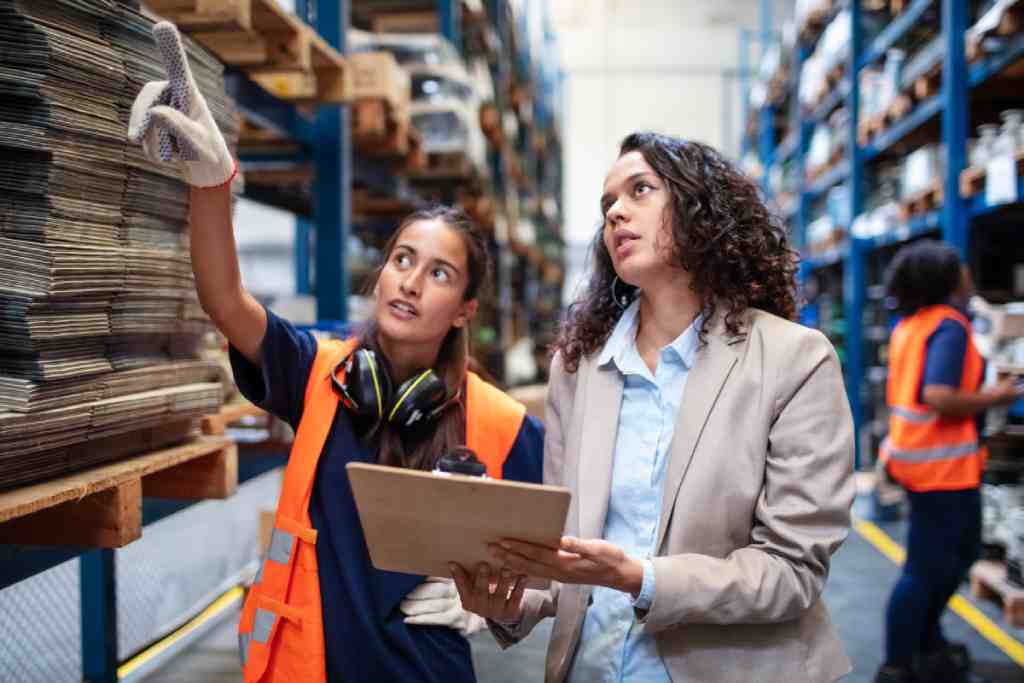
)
(816, 20)
(901, 106)
(230, 413)
(989, 582)
(921, 202)
(871, 128)
(301, 174)
(190, 15)
(1010, 23)
(276, 37)
(835, 76)
(278, 51)
(972, 179)
(490, 124)
(367, 204)
(447, 165)
(102, 507)
(928, 85)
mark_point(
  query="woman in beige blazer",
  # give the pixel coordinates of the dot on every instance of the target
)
(707, 441)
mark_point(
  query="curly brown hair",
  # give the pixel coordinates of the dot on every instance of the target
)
(735, 250)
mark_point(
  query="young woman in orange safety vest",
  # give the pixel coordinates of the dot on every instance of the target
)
(399, 393)
(934, 450)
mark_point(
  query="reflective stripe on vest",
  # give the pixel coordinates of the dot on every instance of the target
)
(920, 417)
(924, 450)
(928, 454)
(284, 604)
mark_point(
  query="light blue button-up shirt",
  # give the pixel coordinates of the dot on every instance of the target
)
(613, 646)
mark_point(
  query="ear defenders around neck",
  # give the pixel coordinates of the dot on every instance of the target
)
(368, 394)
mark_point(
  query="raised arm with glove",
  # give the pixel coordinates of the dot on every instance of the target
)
(173, 123)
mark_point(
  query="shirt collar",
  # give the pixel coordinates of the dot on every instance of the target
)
(623, 337)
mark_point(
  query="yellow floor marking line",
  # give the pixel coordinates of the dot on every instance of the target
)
(225, 601)
(988, 629)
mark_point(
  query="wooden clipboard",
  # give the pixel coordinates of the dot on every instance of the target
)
(417, 522)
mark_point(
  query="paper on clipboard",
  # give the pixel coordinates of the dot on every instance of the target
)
(417, 522)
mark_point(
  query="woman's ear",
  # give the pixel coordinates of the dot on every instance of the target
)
(467, 313)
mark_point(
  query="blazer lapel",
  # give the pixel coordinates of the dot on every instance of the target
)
(711, 367)
(597, 446)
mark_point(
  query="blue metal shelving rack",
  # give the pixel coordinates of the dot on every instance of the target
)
(952, 221)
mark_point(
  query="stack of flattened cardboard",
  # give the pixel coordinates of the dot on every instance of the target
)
(99, 319)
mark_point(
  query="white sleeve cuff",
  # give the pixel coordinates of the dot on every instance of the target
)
(646, 597)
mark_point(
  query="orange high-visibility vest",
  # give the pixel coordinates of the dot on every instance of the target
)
(280, 633)
(926, 451)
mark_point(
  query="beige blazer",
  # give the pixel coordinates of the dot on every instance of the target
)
(757, 498)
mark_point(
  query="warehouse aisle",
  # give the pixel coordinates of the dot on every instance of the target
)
(856, 595)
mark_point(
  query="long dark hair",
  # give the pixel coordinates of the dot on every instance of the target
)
(924, 273)
(735, 250)
(421, 449)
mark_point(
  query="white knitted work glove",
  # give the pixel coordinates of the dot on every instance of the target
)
(436, 602)
(173, 122)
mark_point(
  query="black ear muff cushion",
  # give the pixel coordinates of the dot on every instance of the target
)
(417, 398)
(368, 386)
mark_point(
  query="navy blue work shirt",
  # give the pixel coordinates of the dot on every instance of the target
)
(946, 351)
(364, 632)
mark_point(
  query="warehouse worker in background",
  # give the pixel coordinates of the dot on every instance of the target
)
(706, 438)
(319, 611)
(934, 450)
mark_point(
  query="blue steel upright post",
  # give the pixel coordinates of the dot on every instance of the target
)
(744, 90)
(955, 226)
(450, 12)
(303, 251)
(803, 141)
(332, 199)
(766, 127)
(304, 228)
(854, 272)
(98, 588)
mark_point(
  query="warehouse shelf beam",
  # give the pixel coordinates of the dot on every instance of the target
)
(830, 258)
(832, 101)
(894, 32)
(837, 175)
(993, 64)
(265, 110)
(915, 227)
(978, 205)
(921, 114)
(787, 148)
